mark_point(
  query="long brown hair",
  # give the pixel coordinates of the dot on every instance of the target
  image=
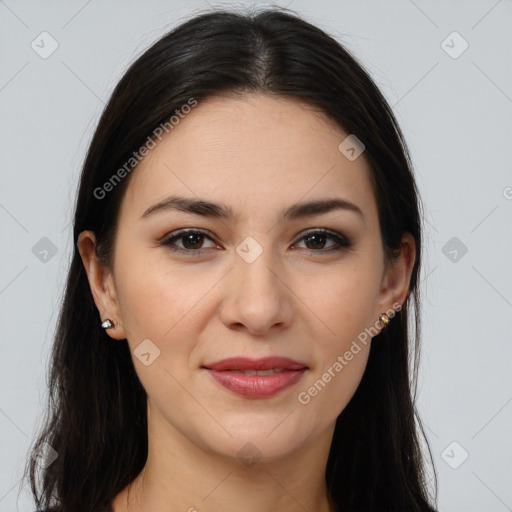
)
(96, 416)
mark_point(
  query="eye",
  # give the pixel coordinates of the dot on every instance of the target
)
(315, 241)
(192, 241)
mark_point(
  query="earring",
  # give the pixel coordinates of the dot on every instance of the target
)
(107, 324)
(384, 319)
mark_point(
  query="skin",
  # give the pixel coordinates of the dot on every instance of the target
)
(257, 155)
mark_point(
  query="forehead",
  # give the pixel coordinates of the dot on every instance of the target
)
(250, 151)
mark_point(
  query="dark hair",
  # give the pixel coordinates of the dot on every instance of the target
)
(96, 417)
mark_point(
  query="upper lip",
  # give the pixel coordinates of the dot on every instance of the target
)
(265, 363)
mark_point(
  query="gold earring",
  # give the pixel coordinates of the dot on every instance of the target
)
(107, 324)
(384, 319)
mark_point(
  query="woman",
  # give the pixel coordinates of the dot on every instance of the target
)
(247, 251)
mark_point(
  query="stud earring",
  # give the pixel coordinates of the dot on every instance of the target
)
(107, 324)
(384, 319)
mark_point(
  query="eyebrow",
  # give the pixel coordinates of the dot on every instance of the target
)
(222, 211)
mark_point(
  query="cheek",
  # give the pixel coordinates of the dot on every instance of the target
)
(156, 300)
(160, 306)
(344, 301)
(167, 307)
(328, 391)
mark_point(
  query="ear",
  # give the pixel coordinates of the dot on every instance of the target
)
(102, 285)
(395, 282)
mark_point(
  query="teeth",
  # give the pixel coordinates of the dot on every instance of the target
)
(260, 372)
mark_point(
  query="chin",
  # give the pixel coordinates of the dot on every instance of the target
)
(265, 442)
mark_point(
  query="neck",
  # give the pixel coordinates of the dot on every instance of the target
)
(180, 475)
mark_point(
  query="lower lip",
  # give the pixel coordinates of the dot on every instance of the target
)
(256, 386)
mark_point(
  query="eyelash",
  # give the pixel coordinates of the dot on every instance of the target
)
(342, 241)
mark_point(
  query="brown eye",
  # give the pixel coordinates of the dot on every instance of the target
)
(315, 241)
(193, 239)
(187, 241)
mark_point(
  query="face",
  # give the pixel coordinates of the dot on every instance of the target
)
(253, 283)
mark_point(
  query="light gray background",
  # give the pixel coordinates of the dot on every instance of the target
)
(456, 114)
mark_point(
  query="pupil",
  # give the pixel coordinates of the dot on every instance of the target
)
(316, 237)
(189, 239)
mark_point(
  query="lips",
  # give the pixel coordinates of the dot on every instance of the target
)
(256, 378)
(245, 364)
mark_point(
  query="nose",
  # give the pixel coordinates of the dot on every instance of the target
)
(257, 299)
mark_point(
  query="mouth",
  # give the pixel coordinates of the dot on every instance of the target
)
(256, 378)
